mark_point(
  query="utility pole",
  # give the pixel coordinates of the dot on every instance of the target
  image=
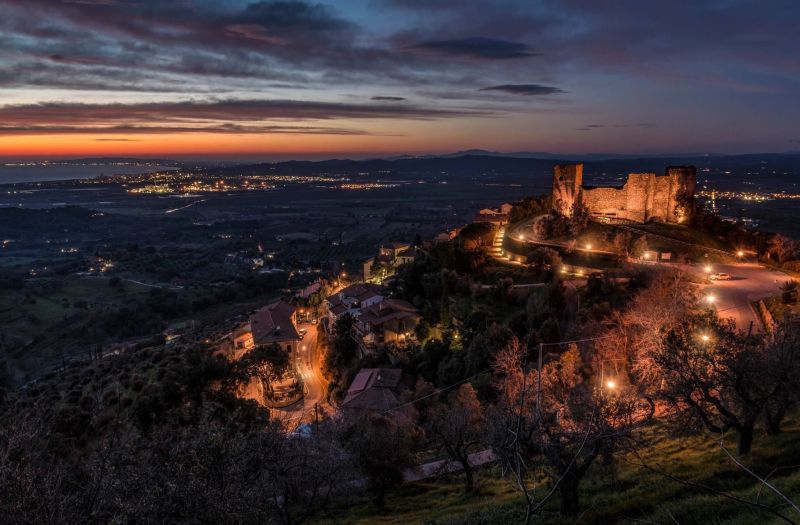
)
(539, 382)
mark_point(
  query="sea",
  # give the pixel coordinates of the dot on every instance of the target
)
(51, 172)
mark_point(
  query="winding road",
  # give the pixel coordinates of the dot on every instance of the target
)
(307, 361)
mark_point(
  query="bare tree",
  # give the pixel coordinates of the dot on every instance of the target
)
(782, 355)
(457, 428)
(382, 447)
(566, 424)
(715, 377)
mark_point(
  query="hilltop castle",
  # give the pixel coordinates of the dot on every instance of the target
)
(644, 196)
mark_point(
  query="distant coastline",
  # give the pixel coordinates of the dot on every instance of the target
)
(62, 172)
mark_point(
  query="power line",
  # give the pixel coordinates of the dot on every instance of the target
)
(448, 387)
(438, 391)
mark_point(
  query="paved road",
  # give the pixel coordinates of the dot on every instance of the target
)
(750, 282)
(307, 362)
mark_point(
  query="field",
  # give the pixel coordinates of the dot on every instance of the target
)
(625, 493)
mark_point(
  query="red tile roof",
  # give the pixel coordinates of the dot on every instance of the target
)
(375, 389)
(273, 324)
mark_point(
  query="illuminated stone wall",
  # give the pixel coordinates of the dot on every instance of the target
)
(644, 197)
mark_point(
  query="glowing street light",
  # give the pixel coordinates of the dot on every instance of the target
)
(710, 298)
(588, 246)
(707, 269)
(563, 270)
(646, 255)
(740, 254)
(520, 237)
(705, 338)
(611, 384)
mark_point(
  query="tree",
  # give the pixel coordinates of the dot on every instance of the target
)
(783, 248)
(542, 260)
(382, 447)
(640, 246)
(715, 377)
(379, 269)
(782, 354)
(621, 242)
(579, 218)
(478, 235)
(566, 421)
(789, 291)
(444, 302)
(268, 363)
(457, 428)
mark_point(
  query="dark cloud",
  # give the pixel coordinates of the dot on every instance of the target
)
(127, 129)
(476, 48)
(590, 127)
(525, 89)
(386, 98)
(221, 116)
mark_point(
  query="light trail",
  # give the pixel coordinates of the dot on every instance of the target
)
(173, 210)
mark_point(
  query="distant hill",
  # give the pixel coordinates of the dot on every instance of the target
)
(476, 165)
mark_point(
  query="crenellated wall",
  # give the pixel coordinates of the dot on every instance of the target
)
(644, 197)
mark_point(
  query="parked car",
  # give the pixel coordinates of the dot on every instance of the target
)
(720, 277)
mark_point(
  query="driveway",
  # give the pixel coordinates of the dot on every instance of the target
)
(749, 282)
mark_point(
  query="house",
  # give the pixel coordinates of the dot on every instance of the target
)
(271, 324)
(390, 256)
(391, 321)
(275, 324)
(375, 390)
(242, 339)
(352, 299)
(310, 289)
(446, 236)
(499, 216)
(393, 249)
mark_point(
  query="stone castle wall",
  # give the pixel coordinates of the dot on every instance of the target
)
(644, 197)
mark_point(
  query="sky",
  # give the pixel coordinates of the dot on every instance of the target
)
(243, 79)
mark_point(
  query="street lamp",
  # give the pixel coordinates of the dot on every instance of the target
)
(740, 254)
(705, 337)
(588, 246)
(646, 255)
(707, 269)
(520, 237)
(710, 298)
(611, 384)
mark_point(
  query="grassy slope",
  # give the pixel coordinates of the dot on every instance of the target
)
(628, 493)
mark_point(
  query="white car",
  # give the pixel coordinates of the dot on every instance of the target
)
(720, 277)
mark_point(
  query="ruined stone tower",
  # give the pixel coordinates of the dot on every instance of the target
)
(567, 185)
(644, 196)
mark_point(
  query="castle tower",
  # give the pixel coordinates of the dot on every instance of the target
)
(683, 180)
(567, 184)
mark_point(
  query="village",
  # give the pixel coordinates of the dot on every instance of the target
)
(608, 246)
